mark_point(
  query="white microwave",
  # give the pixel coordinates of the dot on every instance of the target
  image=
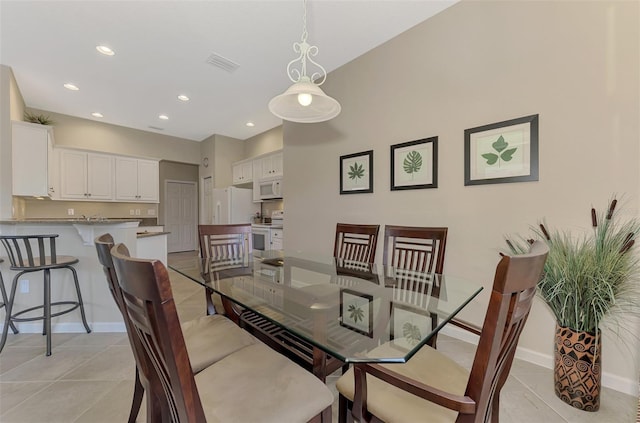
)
(270, 189)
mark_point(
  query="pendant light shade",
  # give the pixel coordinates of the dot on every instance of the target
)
(304, 101)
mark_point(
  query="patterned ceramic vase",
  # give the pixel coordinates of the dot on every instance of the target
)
(577, 373)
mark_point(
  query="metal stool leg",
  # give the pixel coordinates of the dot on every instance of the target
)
(3, 292)
(8, 307)
(75, 279)
(47, 308)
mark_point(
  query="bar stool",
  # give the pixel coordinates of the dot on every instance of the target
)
(4, 302)
(24, 258)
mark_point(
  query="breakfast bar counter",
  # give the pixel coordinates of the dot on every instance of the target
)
(75, 239)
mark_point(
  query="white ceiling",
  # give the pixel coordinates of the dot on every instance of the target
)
(161, 51)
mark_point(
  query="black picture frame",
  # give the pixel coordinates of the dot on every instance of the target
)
(355, 169)
(350, 302)
(414, 164)
(502, 152)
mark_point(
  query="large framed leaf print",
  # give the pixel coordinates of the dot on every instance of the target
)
(502, 152)
(356, 173)
(414, 164)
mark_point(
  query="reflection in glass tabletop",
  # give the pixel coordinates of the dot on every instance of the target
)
(356, 312)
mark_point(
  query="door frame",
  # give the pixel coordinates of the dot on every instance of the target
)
(196, 203)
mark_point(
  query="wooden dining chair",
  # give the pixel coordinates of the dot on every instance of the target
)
(431, 386)
(249, 385)
(227, 246)
(416, 249)
(356, 242)
(208, 339)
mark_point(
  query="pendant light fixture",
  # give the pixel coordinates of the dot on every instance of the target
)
(304, 101)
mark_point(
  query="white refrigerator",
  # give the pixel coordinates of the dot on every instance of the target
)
(233, 205)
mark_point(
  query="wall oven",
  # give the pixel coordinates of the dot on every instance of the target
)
(261, 237)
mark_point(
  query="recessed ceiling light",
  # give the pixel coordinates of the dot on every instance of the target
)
(183, 97)
(163, 117)
(97, 114)
(250, 124)
(71, 87)
(105, 50)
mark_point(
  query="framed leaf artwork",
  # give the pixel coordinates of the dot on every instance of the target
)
(414, 164)
(409, 326)
(356, 311)
(502, 152)
(356, 173)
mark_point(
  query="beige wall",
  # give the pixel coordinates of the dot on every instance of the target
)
(58, 209)
(226, 151)
(92, 135)
(265, 142)
(11, 108)
(576, 64)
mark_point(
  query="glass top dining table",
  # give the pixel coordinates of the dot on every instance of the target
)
(353, 311)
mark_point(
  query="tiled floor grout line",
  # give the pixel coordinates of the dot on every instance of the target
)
(530, 389)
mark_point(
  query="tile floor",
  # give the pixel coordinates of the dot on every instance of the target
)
(89, 378)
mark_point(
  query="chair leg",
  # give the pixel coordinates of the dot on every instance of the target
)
(138, 393)
(47, 309)
(343, 409)
(211, 309)
(3, 292)
(75, 280)
(8, 308)
(434, 324)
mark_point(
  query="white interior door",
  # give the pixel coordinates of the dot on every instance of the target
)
(181, 205)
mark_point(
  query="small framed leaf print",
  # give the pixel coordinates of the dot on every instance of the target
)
(356, 173)
(409, 326)
(502, 152)
(414, 164)
(356, 311)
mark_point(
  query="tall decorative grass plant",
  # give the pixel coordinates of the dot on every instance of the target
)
(586, 279)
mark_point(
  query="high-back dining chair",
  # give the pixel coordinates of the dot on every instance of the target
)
(252, 384)
(432, 387)
(37, 253)
(202, 336)
(227, 246)
(419, 249)
(356, 242)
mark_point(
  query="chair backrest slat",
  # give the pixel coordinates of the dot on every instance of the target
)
(20, 250)
(513, 291)
(356, 242)
(226, 244)
(149, 302)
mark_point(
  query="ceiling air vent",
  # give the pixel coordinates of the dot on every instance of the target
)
(156, 128)
(222, 62)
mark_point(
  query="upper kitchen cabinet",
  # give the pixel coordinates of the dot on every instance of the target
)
(33, 173)
(242, 172)
(137, 180)
(85, 176)
(271, 165)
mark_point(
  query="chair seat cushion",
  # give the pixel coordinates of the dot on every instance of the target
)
(392, 404)
(256, 384)
(211, 338)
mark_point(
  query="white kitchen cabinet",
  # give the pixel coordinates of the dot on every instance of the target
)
(272, 166)
(137, 180)
(86, 176)
(33, 170)
(242, 172)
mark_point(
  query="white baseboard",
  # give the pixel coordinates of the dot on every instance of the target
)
(617, 383)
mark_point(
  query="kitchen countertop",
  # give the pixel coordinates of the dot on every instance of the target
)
(68, 221)
(267, 225)
(150, 234)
